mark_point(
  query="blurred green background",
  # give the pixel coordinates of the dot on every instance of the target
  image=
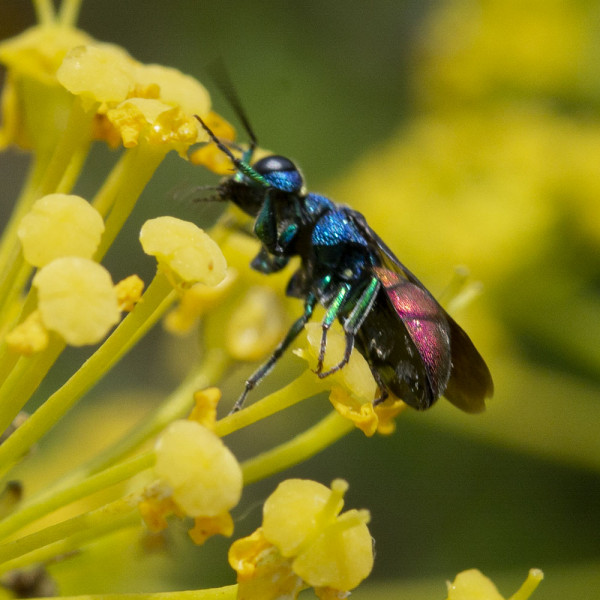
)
(468, 133)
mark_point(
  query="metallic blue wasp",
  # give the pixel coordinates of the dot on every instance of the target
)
(414, 348)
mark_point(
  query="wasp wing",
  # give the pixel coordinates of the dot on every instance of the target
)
(469, 381)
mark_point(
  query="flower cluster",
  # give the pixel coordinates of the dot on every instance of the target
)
(64, 92)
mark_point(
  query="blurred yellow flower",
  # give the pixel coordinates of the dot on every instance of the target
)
(28, 337)
(129, 291)
(101, 73)
(473, 585)
(76, 299)
(60, 225)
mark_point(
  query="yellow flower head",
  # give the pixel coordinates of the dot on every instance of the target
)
(30, 336)
(33, 102)
(77, 300)
(249, 318)
(197, 477)
(60, 225)
(256, 324)
(205, 407)
(129, 291)
(100, 73)
(353, 388)
(183, 251)
(136, 100)
(304, 536)
(196, 300)
(474, 585)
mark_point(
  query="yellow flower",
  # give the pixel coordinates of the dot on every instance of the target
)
(156, 102)
(77, 299)
(246, 315)
(255, 325)
(60, 225)
(35, 107)
(129, 291)
(100, 73)
(196, 301)
(209, 155)
(304, 536)
(197, 476)
(183, 250)
(205, 407)
(473, 585)
(353, 388)
(30, 336)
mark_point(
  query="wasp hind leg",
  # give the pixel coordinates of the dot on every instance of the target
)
(351, 325)
(264, 369)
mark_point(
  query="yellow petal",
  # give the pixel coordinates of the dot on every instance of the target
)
(28, 337)
(203, 474)
(256, 325)
(292, 514)
(129, 291)
(99, 73)
(472, 585)
(340, 557)
(205, 527)
(77, 299)
(184, 250)
(176, 88)
(60, 225)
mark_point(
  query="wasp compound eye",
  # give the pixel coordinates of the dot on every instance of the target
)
(269, 164)
(280, 172)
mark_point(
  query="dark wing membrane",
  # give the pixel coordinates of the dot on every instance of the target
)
(470, 381)
(393, 356)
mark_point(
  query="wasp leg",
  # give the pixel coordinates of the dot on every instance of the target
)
(352, 324)
(264, 369)
(332, 312)
(383, 391)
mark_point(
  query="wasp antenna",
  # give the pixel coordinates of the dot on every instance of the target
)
(220, 76)
(196, 193)
(220, 145)
(241, 165)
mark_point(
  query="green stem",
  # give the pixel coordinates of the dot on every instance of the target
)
(59, 173)
(44, 11)
(228, 592)
(303, 387)
(156, 300)
(534, 578)
(97, 473)
(177, 406)
(69, 12)
(12, 284)
(58, 496)
(9, 244)
(75, 140)
(298, 449)
(68, 535)
(124, 186)
(24, 378)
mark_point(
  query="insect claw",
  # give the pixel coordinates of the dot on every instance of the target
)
(383, 396)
